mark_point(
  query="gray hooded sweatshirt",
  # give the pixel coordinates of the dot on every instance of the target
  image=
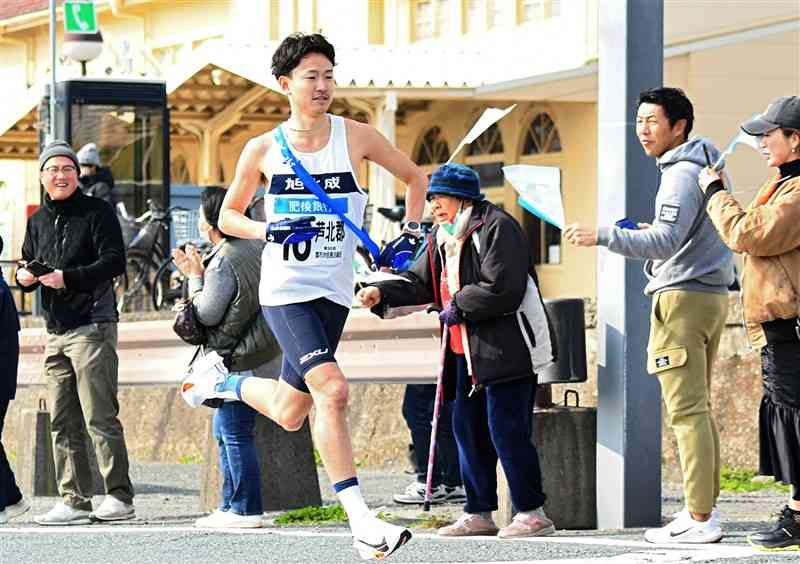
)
(677, 256)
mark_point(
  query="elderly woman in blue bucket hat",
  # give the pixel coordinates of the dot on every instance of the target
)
(478, 270)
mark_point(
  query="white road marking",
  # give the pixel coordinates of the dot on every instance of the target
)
(643, 552)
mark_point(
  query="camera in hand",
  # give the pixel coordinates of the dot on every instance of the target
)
(36, 267)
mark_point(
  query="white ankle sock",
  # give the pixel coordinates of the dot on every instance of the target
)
(354, 504)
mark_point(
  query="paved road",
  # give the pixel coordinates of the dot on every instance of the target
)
(167, 500)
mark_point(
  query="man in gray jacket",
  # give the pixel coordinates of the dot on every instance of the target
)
(689, 270)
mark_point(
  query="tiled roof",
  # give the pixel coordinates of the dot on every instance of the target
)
(11, 8)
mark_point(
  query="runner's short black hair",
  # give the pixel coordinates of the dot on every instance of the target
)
(675, 103)
(296, 46)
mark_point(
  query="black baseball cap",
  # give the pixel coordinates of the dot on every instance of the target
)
(782, 112)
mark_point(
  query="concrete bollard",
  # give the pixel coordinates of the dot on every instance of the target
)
(36, 471)
(566, 439)
(36, 467)
(288, 471)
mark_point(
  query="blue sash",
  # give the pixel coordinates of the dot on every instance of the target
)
(313, 186)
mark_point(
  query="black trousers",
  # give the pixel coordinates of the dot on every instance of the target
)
(9, 492)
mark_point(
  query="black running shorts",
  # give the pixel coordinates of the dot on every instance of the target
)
(308, 334)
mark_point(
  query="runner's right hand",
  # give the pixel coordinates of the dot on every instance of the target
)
(369, 296)
(294, 230)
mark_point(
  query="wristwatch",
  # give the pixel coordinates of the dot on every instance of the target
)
(413, 227)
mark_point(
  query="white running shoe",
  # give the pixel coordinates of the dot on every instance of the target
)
(63, 514)
(206, 380)
(375, 539)
(113, 509)
(684, 529)
(414, 494)
(229, 520)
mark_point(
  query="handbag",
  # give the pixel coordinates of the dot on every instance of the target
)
(186, 324)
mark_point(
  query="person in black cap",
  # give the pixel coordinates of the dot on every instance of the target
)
(12, 502)
(478, 270)
(76, 243)
(767, 233)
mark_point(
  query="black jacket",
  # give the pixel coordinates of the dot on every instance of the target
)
(81, 236)
(9, 343)
(100, 185)
(508, 333)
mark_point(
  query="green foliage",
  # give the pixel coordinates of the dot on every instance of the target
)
(190, 459)
(431, 521)
(740, 481)
(313, 515)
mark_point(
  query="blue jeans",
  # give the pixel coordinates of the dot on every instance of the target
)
(496, 423)
(418, 413)
(234, 429)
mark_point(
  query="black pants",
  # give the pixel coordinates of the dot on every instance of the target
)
(418, 413)
(9, 492)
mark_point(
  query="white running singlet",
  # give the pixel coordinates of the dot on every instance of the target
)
(321, 267)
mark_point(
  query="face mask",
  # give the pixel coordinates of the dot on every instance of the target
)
(450, 227)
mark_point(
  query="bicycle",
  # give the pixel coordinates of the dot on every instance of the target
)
(145, 254)
(172, 284)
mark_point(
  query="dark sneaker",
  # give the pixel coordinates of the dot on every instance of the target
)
(784, 536)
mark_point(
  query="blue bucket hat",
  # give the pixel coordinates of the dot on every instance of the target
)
(455, 180)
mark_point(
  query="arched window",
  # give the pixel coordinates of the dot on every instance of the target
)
(433, 148)
(542, 136)
(486, 157)
(489, 142)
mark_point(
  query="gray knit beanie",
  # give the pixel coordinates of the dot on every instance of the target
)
(89, 155)
(57, 149)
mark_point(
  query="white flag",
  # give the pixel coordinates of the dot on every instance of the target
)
(741, 138)
(539, 189)
(488, 117)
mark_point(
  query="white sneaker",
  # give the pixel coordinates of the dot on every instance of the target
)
(414, 494)
(375, 539)
(684, 529)
(17, 509)
(206, 380)
(454, 494)
(62, 514)
(113, 509)
(229, 520)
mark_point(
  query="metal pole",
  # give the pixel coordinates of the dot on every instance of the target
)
(628, 399)
(53, 59)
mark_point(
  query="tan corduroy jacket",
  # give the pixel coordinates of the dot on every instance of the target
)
(768, 236)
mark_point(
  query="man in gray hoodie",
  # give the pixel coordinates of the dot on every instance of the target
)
(689, 270)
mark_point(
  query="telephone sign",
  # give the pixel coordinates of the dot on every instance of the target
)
(80, 17)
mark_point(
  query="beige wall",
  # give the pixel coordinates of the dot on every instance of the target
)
(577, 125)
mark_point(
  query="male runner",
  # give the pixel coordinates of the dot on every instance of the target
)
(307, 277)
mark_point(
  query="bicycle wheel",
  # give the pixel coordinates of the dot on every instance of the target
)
(139, 270)
(167, 286)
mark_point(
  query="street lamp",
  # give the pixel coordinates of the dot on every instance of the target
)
(83, 47)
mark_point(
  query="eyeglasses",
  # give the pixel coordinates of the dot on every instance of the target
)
(54, 170)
